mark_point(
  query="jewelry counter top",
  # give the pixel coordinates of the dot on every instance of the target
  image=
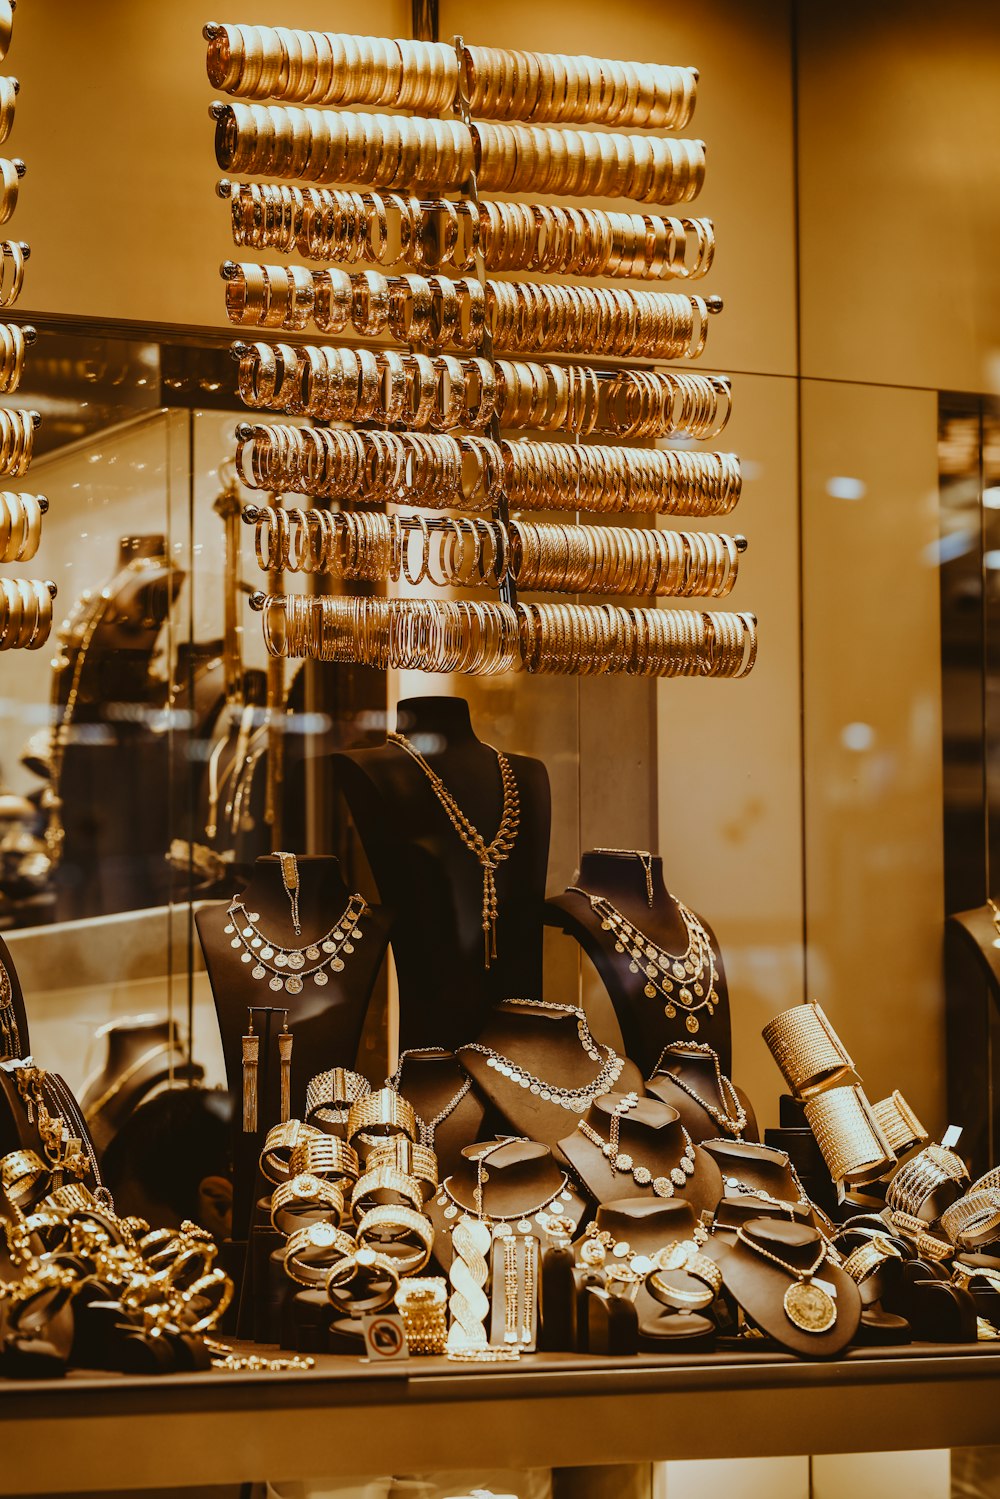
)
(101, 1433)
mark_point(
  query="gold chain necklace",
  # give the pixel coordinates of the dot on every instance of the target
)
(490, 855)
(663, 1186)
(687, 979)
(734, 1121)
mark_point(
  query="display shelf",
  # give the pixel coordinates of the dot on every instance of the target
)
(348, 1417)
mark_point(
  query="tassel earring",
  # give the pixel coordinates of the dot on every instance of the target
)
(285, 1059)
(251, 1052)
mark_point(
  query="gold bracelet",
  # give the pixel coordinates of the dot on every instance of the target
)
(23, 1177)
(279, 1144)
(973, 1220)
(362, 1281)
(329, 1096)
(863, 1262)
(914, 1186)
(402, 1234)
(305, 1200)
(368, 1188)
(379, 1115)
(416, 1161)
(807, 1049)
(848, 1135)
(310, 1252)
(422, 1305)
(899, 1123)
(324, 1156)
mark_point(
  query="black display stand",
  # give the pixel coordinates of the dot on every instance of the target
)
(972, 973)
(698, 1071)
(651, 1134)
(17, 1003)
(429, 1080)
(143, 1054)
(326, 1023)
(434, 882)
(620, 877)
(547, 1044)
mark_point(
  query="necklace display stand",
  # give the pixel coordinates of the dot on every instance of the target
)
(142, 1054)
(435, 883)
(429, 1080)
(547, 1045)
(763, 1169)
(520, 1180)
(684, 1080)
(14, 1037)
(626, 879)
(760, 1286)
(650, 1135)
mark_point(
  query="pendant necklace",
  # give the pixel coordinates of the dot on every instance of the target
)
(490, 855)
(807, 1306)
(427, 1127)
(576, 1100)
(732, 1119)
(663, 1185)
(554, 1204)
(288, 968)
(686, 981)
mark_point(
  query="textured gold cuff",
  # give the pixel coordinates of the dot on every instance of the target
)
(325, 1156)
(279, 1144)
(807, 1049)
(378, 1116)
(417, 1161)
(304, 1200)
(848, 1134)
(899, 1123)
(974, 1219)
(329, 1096)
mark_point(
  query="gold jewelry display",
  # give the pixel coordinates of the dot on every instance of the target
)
(662, 1185)
(729, 1114)
(288, 969)
(324, 1156)
(279, 1143)
(848, 1134)
(10, 1035)
(686, 982)
(415, 1161)
(974, 1220)
(489, 855)
(428, 1127)
(807, 1306)
(807, 1049)
(524, 1220)
(422, 1305)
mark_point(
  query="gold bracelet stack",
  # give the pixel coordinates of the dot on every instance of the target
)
(807, 1049)
(926, 1184)
(974, 1220)
(432, 408)
(334, 224)
(899, 1123)
(25, 613)
(848, 1134)
(422, 1304)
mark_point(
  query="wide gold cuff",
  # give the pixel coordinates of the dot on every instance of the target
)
(329, 1096)
(377, 1183)
(279, 1144)
(325, 1156)
(304, 1200)
(899, 1123)
(379, 1115)
(848, 1135)
(807, 1049)
(417, 1161)
(310, 1252)
(405, 1236)
(973, 1220)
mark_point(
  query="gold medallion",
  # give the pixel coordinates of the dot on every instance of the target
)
(809, 1307)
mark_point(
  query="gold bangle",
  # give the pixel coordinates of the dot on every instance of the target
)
(324, 1156)
(973, 1220)
(329, 1096)
(899, 1123)
(402, 1234)
(862, 1263)
(806, 1048)
(362, 1281)
(304, 1200)
(384, 1179)
(310, 1252)
(416, 1161)
(378, 1115)
(279, 1143)
(23, 1177)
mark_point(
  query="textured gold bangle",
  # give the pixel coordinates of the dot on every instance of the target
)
(918, 1179)
(848, 1135)
(304, 1200)
(311, 1252)
(862, 1262)
(899, 1123)
(416, 1161)
(379, 1115)
(279, 1144)
(329, 1096)
(806, 1048)
(402, 1234)
(23, 1176)
(384, 1179)
(974, 1219)
(324, 1156)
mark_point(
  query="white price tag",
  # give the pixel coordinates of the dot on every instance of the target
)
(951, 1136)
(826, 1285)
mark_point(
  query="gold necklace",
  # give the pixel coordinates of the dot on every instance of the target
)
(687, 979)
(734, 1122)
(663, 1186)
(490, 855)
(808, 1307)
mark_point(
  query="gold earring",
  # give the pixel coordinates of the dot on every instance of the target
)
(251, 1052)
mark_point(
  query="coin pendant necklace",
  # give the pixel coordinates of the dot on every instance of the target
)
(807, 1306)
(489, 855)
(663, 1185)
(686, 982)
(576, 1100)
(290, 968)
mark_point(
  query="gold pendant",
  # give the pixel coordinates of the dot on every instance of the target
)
(809, 1308)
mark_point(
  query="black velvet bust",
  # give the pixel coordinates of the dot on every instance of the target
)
(434, 882)
(620, 878)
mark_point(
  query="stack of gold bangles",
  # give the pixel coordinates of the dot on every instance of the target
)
(333, 224)
(25, 613)
(442, 392)
(484, 639)
(467, 553)
(927, 1184)
(318, 67)
(437, 311)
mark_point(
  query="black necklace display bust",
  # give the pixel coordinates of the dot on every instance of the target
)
(431, 1080)
(651, 1138)
(689, 1077)
(326, 1022)
(631, 884)
(434, 882)
(545, 1047)
(770, 1268)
